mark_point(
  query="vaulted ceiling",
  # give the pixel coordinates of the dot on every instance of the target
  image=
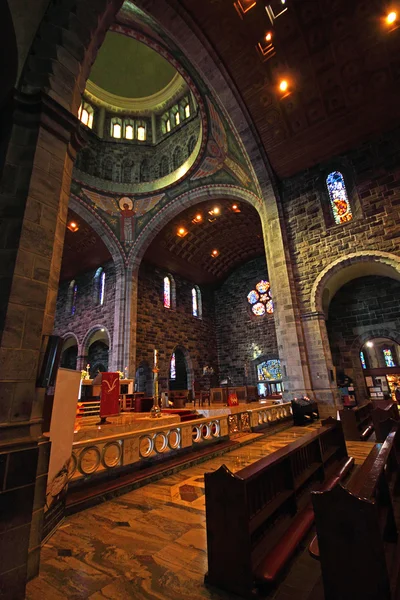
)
(237, 236)
(339, 57)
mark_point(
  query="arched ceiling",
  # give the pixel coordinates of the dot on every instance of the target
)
(128, 68)
(236, 235)
(339, 57)
(83, 250)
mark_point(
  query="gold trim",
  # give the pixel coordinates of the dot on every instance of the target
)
(119, 104)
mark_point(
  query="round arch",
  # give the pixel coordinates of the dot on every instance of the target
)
(344, 269)
(69, 357)
(87, 340)
(188, 362)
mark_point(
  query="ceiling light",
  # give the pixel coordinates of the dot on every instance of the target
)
(214, 253)
(391, 17)
(283, 85)
(214, 211)
(73, 226)
(182, 232)
(197, 218)
(235, 208)
(369, 344)
(268, 37)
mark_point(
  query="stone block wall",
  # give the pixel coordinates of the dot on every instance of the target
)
(89, 313)
(165, 329)
(241, 335)
(122, 161)
(372, 174)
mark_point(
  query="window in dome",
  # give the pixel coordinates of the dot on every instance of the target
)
(260, 299)
(85, 114)
(362, 359)
(187, 110)
(177, 118)
(128, 130)
(172, 367)
(141, 132)
(387, 355)
(116, 128)
(168, 125)
(340, 203)
(167, 292)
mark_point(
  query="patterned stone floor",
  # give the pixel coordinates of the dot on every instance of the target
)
(151, 543)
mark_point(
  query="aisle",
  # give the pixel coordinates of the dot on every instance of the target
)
(149, 543)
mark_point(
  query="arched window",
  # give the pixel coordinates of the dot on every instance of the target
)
(187, 110)
(164, 166)
(72, 297)
(196, 302)
(127, 171)
(177, 158)
(86, 114)
(99, 281)
(185, 106)
(260, 299)
(141, 131)
(191, 145)
(108, 168)
(168, 125)
(167, 292)
(144, 170)
(128, 129)
(340, 203)
(176, 116)
(172, 367)
(362, 359)
(116, 128)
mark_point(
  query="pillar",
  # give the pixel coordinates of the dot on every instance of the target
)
(101, 118)
(34, 193)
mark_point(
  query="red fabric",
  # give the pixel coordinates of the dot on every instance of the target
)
(109, 399)
(232, 399)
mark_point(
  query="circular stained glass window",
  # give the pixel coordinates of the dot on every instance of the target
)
(258, 309)
(262, 286)
(253, 297)
(260, 299)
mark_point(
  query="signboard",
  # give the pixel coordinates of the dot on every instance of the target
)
(109, 399)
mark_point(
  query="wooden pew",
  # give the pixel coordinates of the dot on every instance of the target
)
(357, 422)
(257, 517)
(356, 529)
(381, 414)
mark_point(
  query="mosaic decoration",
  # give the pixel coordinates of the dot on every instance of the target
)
(260, 299)
(269, 370)
(339, 200)
(362, 359)
(167, 292)
(172, 368)
(387, 354)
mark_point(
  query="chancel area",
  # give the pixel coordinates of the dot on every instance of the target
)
(200, 299)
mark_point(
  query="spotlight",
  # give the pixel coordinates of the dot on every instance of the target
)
(391, 17)
(268, 37)
(215, 253)
(235, 208)
(369, 344)
(283, 85)
(182, 232)
(214, 211)
(73, 226)
(197, 218)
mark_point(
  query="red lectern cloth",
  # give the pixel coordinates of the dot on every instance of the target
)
(109, 399)
(232, 399)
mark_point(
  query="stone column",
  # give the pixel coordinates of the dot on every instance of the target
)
(153, 128)
(101, 118)
(34, 193)
(320, 364)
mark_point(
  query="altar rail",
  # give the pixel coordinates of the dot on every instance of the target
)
(107, 453)
(257, 419)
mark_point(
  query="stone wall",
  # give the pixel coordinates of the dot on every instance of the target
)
(372, 174)
(362, 309)
(89, 313)
(166, 329)
(241, 335)
(121, 161)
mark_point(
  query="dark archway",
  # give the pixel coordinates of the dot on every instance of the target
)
(180, 381)
(144, 379)
(98, 357)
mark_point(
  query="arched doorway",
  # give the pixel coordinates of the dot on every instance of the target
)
(97, 347)
(144, 379)
(178, 378)
(69, 353)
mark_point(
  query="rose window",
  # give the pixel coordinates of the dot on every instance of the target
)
(260, 299)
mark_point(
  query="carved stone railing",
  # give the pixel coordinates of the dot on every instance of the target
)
(105, 454)
(259, 418)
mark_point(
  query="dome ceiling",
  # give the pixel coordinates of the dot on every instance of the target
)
(237, 236)
(125, 67)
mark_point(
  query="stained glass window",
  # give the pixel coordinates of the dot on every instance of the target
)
(74, 297)
(102, 287)
(167, 292)
(338, 196)
(362, 358)
(260, 299)
(195, 311)
(172, 369)
(269, 370)
(387, 354)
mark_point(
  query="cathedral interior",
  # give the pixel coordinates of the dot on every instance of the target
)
(204, 199)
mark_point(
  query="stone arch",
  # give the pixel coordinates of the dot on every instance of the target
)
(352, 266)
(89, 334)
(189, 364)
(69, 359)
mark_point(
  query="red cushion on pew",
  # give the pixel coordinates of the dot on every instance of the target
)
(273, 563)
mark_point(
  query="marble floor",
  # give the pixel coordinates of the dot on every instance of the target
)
(150, 543)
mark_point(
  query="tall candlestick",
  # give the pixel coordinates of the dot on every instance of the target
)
(155, 358)
(155, 410)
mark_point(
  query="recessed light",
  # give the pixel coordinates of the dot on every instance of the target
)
(391, 17)
(197, 218)
(215, 253)
(73, 226)
(369, 344)
(182, 232)
(268, 37)
(283, 85)
(235, 208)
